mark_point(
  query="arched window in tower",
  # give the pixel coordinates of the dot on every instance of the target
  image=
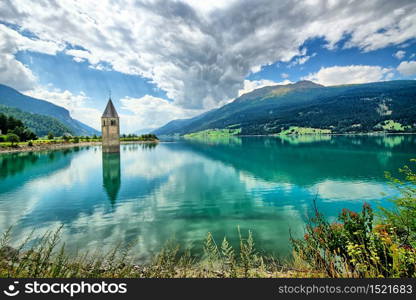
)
(113, 122)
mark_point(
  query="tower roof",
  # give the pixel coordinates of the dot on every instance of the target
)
(110, 110)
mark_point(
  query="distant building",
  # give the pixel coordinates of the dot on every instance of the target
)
(110, 128)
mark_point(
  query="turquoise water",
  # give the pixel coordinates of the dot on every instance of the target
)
(183, 189)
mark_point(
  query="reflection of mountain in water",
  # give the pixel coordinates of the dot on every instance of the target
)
(111, 174)
(308, 162)
(19, 167)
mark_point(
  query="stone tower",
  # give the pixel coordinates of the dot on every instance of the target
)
(110, 128)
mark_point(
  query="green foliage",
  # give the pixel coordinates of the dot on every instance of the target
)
(247, 252)
(75, 140)
(229, 258)
(50, 136)
(15, 100)
(392, 126)
(304, 130)
(142, 138)
(9, 124)
(357, 246)
(23, 133)
(39, 124)
(12, 138)
(403, 218)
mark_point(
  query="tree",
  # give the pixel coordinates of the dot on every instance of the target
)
(50, 136)
(13, 138)
(66, 137)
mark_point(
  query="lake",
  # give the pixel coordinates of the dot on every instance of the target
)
(181, 190)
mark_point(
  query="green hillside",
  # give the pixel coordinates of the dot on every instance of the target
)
(41, 125)
(337, 109)
(12, 98)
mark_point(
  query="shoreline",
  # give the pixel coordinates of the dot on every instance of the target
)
(58, 146)
(330, 134)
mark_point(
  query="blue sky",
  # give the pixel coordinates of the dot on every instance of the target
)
(176, 59)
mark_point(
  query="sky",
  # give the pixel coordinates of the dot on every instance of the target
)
(166, 60)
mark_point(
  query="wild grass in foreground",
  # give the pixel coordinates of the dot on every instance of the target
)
(46, 259)
(359, 245)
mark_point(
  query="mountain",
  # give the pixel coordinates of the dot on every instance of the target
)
(345, 108)
(175, 126)
(12, 98)
(41, 125)
(143, 131)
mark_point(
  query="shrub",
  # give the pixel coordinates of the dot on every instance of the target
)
(403, 218)
(12, 138)
(359, 247)
(66, 137)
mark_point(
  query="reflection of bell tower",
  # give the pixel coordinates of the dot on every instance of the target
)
(111, 174)
(110, 128)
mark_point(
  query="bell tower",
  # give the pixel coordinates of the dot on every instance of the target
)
(110, 128)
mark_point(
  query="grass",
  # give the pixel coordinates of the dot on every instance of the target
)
(75, 140)
(390, 125)
(214, 133)
(295, 130)
(47, 258)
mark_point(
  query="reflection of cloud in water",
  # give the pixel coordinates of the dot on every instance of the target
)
(148, 164)
(32, 192)
(215, 198)
(330, 190)
(186, 189)
(252, 183)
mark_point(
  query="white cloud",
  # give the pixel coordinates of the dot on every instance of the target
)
(15, 74)
(407, 68)
(251, 85)
(349, 74)
(151, 112)
(300, 60)
(284, 75)
(200, 54)
(81, 55)
(12, 72)
(399, 54)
